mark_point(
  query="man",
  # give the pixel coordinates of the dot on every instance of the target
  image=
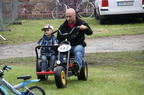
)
(77, 37)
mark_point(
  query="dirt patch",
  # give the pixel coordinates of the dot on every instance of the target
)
(115, 44)
(106, 44)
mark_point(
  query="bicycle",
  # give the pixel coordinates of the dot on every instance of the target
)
(59, 11)
(84, 8)
(34, 90)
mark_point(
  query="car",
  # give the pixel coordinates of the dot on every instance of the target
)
(108, 9)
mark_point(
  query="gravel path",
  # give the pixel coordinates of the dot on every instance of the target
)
(106, 44)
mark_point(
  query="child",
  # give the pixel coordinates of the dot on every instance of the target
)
(48, 53)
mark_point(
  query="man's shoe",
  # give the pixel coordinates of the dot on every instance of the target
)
(76, 67)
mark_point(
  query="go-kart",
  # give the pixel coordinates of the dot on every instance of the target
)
(42, 75)
(67, 67)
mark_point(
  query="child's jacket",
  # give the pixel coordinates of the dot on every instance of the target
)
(48, 51)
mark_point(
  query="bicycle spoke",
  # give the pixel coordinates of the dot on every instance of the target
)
(59, 11)
(85, 9)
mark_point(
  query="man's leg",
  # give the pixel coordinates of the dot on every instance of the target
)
(78, 54)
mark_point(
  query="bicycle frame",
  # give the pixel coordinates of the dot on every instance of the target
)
(5, 84)
(72, 4)
(15, 88)
(9, 86)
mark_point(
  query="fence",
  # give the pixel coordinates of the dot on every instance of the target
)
(8, 12)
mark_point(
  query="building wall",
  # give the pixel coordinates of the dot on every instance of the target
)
(37, 9)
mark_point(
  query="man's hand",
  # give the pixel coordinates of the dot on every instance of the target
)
(83, 27)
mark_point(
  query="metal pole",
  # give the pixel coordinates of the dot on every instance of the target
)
(1, 17)
(2, 37)
(12, 9)
(56, 9)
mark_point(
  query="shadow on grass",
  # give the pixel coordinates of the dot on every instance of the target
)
(114, 21)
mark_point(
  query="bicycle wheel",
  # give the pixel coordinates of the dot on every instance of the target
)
(59, 11)
(1, 93)
(85, 9)
(35, 90)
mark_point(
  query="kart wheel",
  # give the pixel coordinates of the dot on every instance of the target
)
(84, 72)
(60, 77)
(38, 69)
(38, 66)
(42, 77)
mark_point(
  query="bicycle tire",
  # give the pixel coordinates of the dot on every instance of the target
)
(37, 90)
(59, 11)
(1, 92)
(85, 9)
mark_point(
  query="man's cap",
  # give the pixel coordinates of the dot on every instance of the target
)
(47, 27)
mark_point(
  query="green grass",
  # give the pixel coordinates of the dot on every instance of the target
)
(30, 30)
(116, 73)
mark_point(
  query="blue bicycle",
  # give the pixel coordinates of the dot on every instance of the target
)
(34, 90)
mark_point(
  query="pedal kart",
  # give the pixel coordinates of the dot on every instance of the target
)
(42, 75)
(63, 69)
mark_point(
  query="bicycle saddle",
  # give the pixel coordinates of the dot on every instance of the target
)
(24, 77)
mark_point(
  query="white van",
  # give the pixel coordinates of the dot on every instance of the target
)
(106, 9)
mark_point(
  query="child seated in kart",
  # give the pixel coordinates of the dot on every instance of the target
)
(48, 53)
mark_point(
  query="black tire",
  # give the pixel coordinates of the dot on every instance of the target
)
(84, 72)
(42, 77)
(38, 66)
(37, 90)
(38, 69)
(143, 19)
(60, 77)
(59, 11)
(1, 92)
(96, 15)
(102, 19)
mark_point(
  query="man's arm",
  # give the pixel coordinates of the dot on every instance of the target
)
(87, 30)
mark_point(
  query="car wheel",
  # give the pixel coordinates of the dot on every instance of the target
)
(96, 15)
(143, 19)
(102, 20)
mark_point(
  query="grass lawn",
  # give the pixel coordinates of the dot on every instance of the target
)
(30, 30)
(117, 73)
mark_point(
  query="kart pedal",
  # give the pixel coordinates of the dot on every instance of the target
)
(76, 67)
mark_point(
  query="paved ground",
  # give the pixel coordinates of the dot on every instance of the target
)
(106, 44)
